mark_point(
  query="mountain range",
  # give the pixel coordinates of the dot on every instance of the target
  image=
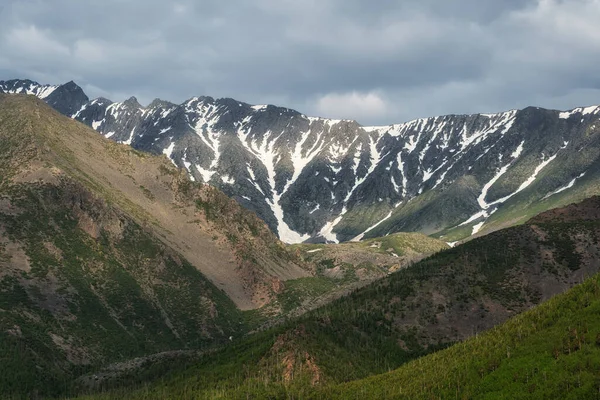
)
(322, 180)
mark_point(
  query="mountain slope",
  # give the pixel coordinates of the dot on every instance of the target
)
(107, 253)
(224, 242)
(70, 301)
(447, 298)
(318, 179)
(550, 352)
(342, 268)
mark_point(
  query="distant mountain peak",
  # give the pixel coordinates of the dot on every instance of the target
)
(132, 102)
(156, 103)
(67, 98)
(102, 100)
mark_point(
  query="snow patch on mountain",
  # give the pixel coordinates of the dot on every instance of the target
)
(32, 88)
(205, 173)
(477, 227)
(45, 91)
(567, 186)
(130, 139)
(362, 235)
(227, 179)
(206, 118)
(327, 230)
(518, 151)
(481, 199)
(169, 150)
(96, 124)
(579, 110)
(266, 153)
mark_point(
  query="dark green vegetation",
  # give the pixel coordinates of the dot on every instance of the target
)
(550, 352)
(69, 302)
(447, 298)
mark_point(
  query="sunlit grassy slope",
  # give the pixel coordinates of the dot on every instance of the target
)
(550, 352)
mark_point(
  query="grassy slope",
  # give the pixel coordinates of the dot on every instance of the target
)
(400, 244)
(552, 351)
(343, 267)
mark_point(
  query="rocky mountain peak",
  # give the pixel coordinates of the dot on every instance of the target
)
(68, 98)
(132, 102)
(159, 103)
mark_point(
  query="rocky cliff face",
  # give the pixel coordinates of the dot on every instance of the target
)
(316, 179)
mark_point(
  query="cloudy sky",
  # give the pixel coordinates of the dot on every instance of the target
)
(378, 62)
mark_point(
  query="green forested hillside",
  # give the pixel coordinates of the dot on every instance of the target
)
(550, 352)
(69, 301)
(447, 298)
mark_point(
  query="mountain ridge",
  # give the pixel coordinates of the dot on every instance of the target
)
(315, 179)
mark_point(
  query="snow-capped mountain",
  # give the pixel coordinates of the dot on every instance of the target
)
(315, 179)
(66, 98)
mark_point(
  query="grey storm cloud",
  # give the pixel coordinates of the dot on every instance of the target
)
(377, 62)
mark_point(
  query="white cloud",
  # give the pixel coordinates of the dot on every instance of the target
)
(92, 51)
(575, 21)
(352, 105)
(32, 41)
